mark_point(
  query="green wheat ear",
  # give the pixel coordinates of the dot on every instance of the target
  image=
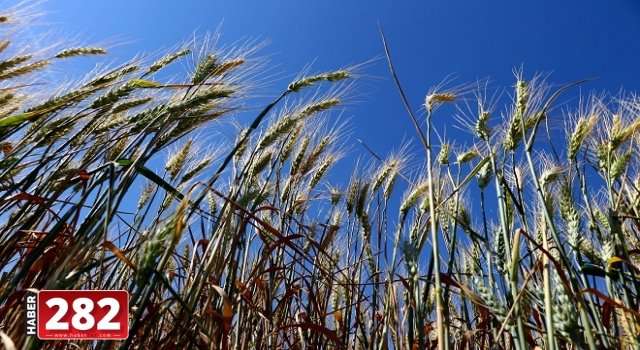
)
(299, 156)
(583, 128)
(383, 175)
(619, 164)
(165, 61)
(331, 77)
(443, 156)
(319, 106)
(281, 127)
(413, 196)
(483, 131)
(197, 169)
(80, 51)
(352, 194)
(550, 174)
(130, 104)
(10, 63)
(262, 163)
(314, 155)
(113, 96)
(484, 175)
(204, 69)
(176, 163)
(108, 78)
(321, 172)
(23, 70)
(467, 156)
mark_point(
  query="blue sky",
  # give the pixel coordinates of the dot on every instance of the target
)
(428, 40)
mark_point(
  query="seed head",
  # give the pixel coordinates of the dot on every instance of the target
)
(336, 195)
(352, 195)
(433, 99)
(362, 198)
(101, 80)
(262, 163)
(12, 62)
(200, 99)
(389, 185)
(80, 51)
(330, 77)
(579, 135)
(484, 175)
(320, 106)
(281, 127)
(226, 66)
(467, 156)
(482, 126)
(315, 154)
(550, 174)
(22, 70)
(112, 96)
(383, 174)
(413, 196)
(619, 164)
(443, 155)
(195, 170)
(156, 66)
(175, 164)
(146, 194)
(288, 147)
(204, 69)
(114, 152)
(4, 45)
(522, 94)
(322, 170)
(127, 105)
(298, 157)
(5, 98)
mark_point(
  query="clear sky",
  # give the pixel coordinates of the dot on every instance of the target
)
(428, 40)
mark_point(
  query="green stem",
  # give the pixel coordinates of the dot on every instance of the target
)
(443, 341)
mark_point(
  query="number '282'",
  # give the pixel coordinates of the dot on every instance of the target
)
(83, 314)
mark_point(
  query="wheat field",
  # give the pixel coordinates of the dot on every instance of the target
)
(231, 236)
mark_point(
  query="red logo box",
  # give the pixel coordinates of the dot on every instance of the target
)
(83, 314)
